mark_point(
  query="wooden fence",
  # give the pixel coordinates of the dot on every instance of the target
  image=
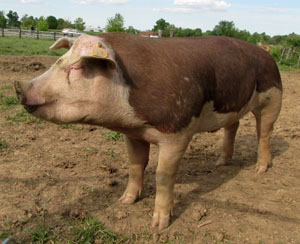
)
(291, 52)
(34, 34)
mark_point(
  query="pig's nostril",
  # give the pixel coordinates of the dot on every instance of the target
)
(31, 108)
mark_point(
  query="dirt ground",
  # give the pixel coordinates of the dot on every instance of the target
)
(52, 174)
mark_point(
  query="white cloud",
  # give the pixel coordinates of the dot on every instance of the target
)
(101, 1)
(275, 10)
(205, 4)
(191, 6)
(175, 10)
(30, 1)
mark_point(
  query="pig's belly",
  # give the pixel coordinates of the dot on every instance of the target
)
(210, 120)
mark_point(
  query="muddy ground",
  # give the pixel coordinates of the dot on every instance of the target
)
(52, 174)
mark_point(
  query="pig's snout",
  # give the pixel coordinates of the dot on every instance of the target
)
(22, 98)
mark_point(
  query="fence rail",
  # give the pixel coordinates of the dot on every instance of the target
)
(34, 34)
(291, 52)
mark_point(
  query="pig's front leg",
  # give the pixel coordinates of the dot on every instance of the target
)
(168, 162)
(138, 152)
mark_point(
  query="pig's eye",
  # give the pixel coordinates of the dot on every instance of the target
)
(77, 67)
(73, 66)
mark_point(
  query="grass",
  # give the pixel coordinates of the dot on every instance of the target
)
(27, 47)
(86, 231)
(69, 126)
(4, 234)
(114, 136)
(284, 67)
(6, 87)
(22, 116)
(90, 230)
(3, 144)
(41, 235)
(8, 100)
(110, 154)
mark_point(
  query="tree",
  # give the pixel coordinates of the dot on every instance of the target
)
(208, 33)
(197, 32)
(52, 22)
(131, 30)
(161, 24)
(115, 24)
(188, 32)
(225, 28)
(293, 39)
(243, 35)
(13, 19)
(277, 39)
(255, 38)
(42, 24)
(28, 21)
(3, 20)
(60, 23)
(79, 24)
(68, 24)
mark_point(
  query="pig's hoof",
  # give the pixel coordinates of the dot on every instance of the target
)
(261, 169)
(129, 198)
(160, 219)
(221, 161)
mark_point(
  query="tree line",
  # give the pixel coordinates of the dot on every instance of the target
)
(116, 24)
(228, 28)
(11, 19)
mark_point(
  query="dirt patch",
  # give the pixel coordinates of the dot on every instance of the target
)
(53, 174)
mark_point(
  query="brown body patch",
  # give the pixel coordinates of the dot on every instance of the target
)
(171, 79)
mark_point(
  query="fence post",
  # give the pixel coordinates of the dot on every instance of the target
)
(298, 64)
(20, 33)
(289, 53)
(2, 31)
(282, 54)
(38, 35)
(54, 36)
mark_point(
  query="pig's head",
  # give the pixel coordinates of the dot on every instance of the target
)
(79, 87)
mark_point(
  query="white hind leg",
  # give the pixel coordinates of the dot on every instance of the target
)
(266, 114)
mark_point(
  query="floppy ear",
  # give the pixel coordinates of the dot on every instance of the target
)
(64, 42)
(99, 52)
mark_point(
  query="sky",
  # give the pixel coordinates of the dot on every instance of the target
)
(275, 17)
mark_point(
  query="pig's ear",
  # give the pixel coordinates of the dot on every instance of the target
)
(64, 42)
(99, 52)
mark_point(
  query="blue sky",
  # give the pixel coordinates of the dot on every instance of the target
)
(270, 16)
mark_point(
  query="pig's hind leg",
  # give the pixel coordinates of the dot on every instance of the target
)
(266, 115)
(138, 153)
(228, 143)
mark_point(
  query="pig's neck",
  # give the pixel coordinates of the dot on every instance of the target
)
(116, 112)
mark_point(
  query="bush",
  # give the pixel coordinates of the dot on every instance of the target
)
(276, 53)
(291, 61)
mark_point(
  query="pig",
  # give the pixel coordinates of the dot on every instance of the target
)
(162, 92)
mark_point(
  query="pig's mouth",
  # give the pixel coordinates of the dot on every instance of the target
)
(31, 108)
(37, 109)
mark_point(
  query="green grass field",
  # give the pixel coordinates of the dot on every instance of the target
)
(27, 47)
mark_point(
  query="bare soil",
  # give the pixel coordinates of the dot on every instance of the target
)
(53, 174)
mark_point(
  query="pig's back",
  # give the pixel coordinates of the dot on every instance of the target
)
(172, 78)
